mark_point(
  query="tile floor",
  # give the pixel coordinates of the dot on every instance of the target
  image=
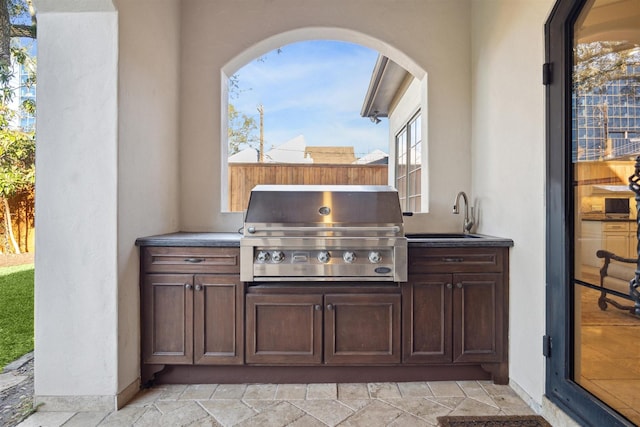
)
(609, 355)
(303, 405)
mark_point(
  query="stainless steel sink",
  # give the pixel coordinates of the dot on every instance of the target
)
(442, 236)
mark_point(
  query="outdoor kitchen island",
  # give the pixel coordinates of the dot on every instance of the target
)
(201, 324)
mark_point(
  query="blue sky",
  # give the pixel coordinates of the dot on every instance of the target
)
(316, 89)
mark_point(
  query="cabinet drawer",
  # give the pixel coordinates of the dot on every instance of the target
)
(447, 260)
(615, 226)
(190, 260)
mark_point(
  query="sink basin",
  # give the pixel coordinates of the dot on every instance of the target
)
(442, 236)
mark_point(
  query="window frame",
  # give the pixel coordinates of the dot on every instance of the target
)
(407, 194)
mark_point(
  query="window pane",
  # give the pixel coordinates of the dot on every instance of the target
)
(604, 144)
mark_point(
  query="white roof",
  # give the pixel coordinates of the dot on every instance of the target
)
(248, 155)
(291, 151)
(371, 157)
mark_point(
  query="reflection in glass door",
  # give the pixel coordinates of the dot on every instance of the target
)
(605, 143)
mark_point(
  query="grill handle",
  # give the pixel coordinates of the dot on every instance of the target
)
(253, 230)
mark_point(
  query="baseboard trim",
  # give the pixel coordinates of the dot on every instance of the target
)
(127, 394)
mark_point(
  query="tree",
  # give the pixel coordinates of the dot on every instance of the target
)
(18, 10)
(241, 130)
(241, 127)
(17, 148)
(599, 63)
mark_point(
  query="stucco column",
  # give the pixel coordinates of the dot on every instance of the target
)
(76, 205)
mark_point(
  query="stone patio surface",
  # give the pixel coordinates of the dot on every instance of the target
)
(304, 405)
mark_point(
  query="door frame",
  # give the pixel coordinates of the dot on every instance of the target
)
(560, 389)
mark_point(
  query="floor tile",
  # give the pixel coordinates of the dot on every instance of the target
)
(126, 416)
(415, 389)
(181, 413)
(407, 420)
(229, 391)
(330, 412)
(473, 407)
(279, 415)
(146, 397)
(198, 392)
(228, 412)
(384, 390)
(445, 389)
(322, 391)
(422, 408)
(356, 404)
(86, 419)
(352, 391)
(306, 421)
(376, 414)
(48, 419)
(291, 392)
(260, 391)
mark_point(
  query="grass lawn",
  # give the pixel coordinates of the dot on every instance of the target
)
(16, 312)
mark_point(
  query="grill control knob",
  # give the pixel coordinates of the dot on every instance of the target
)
(375, 257)
(263, 256)
(349, 257)
(277, 256)
(324, 257)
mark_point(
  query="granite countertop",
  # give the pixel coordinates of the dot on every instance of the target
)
(219, 239)
(607, 219)
(183, 238)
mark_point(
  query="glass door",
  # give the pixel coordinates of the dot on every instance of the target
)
(592, 78)
(605, 141)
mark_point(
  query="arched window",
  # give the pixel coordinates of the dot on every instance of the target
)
(283, 125)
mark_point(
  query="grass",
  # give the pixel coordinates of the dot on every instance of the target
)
(16, 312)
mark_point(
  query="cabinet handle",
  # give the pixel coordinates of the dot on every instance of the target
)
(198, 287)
(194, 260)
(317, 307)
(188, 286)
(449, 286)
(329, 306)
(450, 259)
(459, 285)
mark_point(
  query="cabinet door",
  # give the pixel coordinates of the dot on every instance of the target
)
(426, 318)
(617, 242)
(167, 319)
(479, 304)
(284, 329)
(218, 320)
(362, 328)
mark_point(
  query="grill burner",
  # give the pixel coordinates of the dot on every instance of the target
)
(323, 233)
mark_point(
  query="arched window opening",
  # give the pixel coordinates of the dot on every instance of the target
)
(320, 112)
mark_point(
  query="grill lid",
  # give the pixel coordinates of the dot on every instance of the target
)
(323, 206)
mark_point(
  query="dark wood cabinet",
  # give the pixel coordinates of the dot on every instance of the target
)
(448, 321)
(167, 328)
(191, 318)
(323, 328)
(455, 307)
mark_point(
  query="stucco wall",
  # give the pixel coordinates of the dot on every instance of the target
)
(509, 163)
(148, 103)
(429, 36)
(76, 205)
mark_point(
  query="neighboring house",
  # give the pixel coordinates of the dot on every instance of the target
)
(130, 145)
(330, 155)
(376, 157)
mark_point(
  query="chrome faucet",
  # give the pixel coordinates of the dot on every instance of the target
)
(468, 223)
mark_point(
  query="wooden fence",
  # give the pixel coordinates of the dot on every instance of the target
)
(244, 176)
(22, 218)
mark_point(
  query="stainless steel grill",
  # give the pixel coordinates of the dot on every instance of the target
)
(323, 233)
